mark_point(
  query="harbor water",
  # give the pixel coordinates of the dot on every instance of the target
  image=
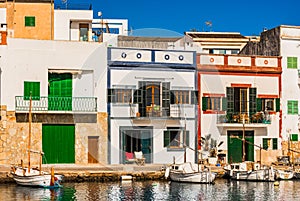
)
(157, 190)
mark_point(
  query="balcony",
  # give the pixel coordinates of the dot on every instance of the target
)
(238, 120)
(57, 104)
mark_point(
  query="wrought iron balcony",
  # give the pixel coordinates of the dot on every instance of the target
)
(259, 117)
(71, 104)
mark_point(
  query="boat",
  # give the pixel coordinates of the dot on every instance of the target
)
(191, 173)
(28, 176)
(249, 171)
(284, 174)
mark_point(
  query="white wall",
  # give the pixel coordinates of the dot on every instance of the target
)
(2, 18)
(290, 40)
(62, 19)
(30, 60)
(216, 84)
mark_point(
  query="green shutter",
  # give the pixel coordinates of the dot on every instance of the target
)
(277, 104)
(29, 21)
(110, 94)
(60, 92)
(204, 103)
(224, 104)
(294, 137)
(258, 104)
(166, 138)
(187, 138)
(292, 62)
(230, 100)
(265, 143)
(275, 143)
(166, 98)
(172, 97)
(290, 107)
(32, 88)
(252, 101)
(295, 107)
(194, 97)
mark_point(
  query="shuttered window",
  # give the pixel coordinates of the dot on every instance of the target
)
(294, 137)
(32, 88)
(29, 21)
(292, 106)
(292, 62)
(173, 138)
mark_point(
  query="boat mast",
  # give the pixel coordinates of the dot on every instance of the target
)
(244, 154)
(184, 138)
(29, 131)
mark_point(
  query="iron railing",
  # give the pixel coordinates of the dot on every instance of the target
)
(71, 104)
(258, 117)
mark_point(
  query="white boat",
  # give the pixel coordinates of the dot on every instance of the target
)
(189, 172)
(27, 176)
(284, 174)
(249, 171)
(35, 178)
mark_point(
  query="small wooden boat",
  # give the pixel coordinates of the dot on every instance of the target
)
(249, 171)
(28, 176)
(191, 173)
(284, 174)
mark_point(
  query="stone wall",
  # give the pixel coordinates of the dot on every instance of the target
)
(269, 44)
(14, 138)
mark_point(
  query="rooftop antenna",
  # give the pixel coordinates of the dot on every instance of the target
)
(209, 24)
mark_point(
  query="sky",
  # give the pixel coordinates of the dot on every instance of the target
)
(175, 17)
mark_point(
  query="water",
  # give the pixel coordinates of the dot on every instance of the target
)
(154, 190)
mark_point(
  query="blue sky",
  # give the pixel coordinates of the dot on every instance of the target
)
(176, 17)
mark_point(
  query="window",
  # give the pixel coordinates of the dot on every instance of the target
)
(174, 137)
(270, 143)
(211, 103)
(234, 51)
(292, 62)
(292, 107)
(83, 29)
(33, 89)
(180, 97)
(294, 137)
(29, 21)
(119, 96)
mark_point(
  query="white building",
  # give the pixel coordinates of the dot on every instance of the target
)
(284, 41)
(240, 97)
(151, 104)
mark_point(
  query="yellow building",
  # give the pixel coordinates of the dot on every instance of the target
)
(31, 19)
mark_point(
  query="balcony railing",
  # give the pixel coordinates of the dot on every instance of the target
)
(259, 117)
(71, 104)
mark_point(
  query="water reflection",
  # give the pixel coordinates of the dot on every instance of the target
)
(153, 190)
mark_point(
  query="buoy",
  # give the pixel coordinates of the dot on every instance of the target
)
(276, 183)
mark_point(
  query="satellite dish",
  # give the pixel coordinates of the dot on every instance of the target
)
(99, 14)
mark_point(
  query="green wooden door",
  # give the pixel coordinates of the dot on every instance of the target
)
(235, 146)
(60, 92)
(58, 143)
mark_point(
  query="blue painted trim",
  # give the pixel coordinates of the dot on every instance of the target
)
(152, 65)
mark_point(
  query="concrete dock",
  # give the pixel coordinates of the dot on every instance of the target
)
(102, 173)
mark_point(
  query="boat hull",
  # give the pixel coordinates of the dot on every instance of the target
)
(254, 175)
(36, 178)
(284, 175)
(196, 177)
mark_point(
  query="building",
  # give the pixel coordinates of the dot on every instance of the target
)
(69, 118)
(151, 104)
(283, 41)
(239, 98)
(219, 42)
